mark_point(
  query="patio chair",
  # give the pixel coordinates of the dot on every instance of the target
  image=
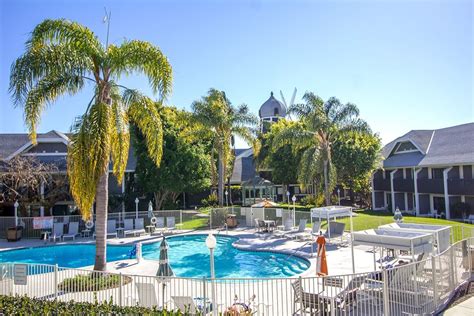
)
(347, 298)
(170, 223)
(187, 306)
(139, 226)
(335, 230)
(159, 226)
(147, 296)
(58, 231)
(286, 228)
(309, 302)
(73, 231)
(111, 228)
(470, 219)
(301, 229)
(128, 227)
(308, 234)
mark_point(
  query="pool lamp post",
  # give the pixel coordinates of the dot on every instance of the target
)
(294, 210)
(16, 212)
(136, 207)
(211, 244)
(339, 196)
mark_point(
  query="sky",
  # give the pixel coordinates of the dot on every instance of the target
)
(405, 64)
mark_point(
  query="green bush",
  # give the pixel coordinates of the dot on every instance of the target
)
(23, 305)
(313, 200)
(92, 282)
(212, 200)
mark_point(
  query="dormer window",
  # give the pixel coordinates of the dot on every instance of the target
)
(405, 147)
(275, 112)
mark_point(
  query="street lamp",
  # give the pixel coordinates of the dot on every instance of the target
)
(294, 210)
(339, 196)
(136, 207)
(226, 198)
(16, 212)
(211, 244)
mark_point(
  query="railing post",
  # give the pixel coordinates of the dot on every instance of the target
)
(204, 295)
(451, 268)
(386, 305)
(120, 289)
(301, 295)
(55, 281)
(435, 282)
(469, 255)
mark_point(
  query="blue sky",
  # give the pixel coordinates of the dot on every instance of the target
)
(406, 64)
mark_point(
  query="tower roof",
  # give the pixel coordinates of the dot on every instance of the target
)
(272, 107)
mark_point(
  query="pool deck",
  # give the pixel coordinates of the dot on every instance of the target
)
(338, 256)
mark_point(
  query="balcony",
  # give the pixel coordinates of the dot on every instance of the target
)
(403, 185)
(460, 187)
(434, 186)
(381, 184)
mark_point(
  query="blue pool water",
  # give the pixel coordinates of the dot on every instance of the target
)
(188, 257)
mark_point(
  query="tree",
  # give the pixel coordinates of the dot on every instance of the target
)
(355, 156)
(220, 120)
(281, 160)
(61, 58)
(185, 163)
(21, 180)
(323, 122)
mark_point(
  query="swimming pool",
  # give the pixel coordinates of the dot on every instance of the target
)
(188, 257)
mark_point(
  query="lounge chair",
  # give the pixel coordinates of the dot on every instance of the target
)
(335, 230)
(286, 228)
(159, 226)
(128, 227)
(346, 299)
(301, 228)
(259, 225)
(139, 226)
(470, 219)
(170, 223)
(308, 234)
(187, 306)
(73, 231)
(146, 294)
(309, 302)
(111, 229)
(58, 231)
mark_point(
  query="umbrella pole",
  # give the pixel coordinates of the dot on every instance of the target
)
(163, 295)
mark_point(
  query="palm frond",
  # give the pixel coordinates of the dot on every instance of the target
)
(88, 155)
(120, 137)
(143, 112)
(143, 57)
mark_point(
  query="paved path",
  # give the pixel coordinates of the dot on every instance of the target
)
(461, 309)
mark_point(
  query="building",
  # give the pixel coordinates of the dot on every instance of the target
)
(428, 172)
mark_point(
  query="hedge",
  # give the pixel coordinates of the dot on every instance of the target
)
(23, 305)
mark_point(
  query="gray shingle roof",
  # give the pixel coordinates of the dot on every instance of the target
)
(446, 146)
(268, 108)
(244, 166)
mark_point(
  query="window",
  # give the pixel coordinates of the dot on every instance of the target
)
(275, 112)
(437, 173)
(405, 147)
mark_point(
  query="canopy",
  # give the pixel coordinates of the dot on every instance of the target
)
(415, 242)
(441, 233)
(331, 211)
(265, 203)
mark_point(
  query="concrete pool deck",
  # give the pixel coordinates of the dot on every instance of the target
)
(339, 257)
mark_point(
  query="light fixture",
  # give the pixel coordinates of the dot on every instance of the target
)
(211, 241)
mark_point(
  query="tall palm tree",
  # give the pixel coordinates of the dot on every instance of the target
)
(222, 120)
(62, 57)
(322, 122)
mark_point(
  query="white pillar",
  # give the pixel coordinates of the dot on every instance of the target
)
(446, 194)
(417, 198)
(373, 190)
(392, 173)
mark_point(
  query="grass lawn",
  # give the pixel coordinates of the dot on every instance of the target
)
(195, 223)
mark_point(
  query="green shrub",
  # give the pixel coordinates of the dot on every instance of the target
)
(92, 282)
(211, 200)
(23, 305)
(313, 200)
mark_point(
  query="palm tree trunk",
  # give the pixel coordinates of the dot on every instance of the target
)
(101, 223)
(326, 182)
(220, 182)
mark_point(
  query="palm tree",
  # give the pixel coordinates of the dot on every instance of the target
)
(222, 121)
(321, 123)
(62, 57)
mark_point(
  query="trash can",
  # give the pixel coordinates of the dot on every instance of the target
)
(231, 221)
(14, 233)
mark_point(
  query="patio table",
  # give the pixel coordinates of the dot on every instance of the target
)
(269, 223)
(119, 231)
(150, 228)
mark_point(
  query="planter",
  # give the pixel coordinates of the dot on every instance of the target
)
(14, 233)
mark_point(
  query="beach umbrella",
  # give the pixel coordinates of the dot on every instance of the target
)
(321, 264)
(164, 269)
(150, 209)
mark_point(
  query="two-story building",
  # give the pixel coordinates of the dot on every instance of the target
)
(428, 172)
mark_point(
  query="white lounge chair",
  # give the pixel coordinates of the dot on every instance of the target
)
(187, 306)
(147, 296)
(73, 231)
(170, 223)
(58, 231)
(159, 226)
(307, 234)
(128, 227)
(286, 228)
(139, 227)
(470, 219)
(335, 230)
(111, 228)
(301, 228)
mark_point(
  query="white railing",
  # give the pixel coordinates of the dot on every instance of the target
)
(417, 288)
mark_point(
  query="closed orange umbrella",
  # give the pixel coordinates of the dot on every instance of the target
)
(321, 264)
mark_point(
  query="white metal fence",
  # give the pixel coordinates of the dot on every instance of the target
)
(413, 289)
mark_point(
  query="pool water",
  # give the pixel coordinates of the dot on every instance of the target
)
(188, 257)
